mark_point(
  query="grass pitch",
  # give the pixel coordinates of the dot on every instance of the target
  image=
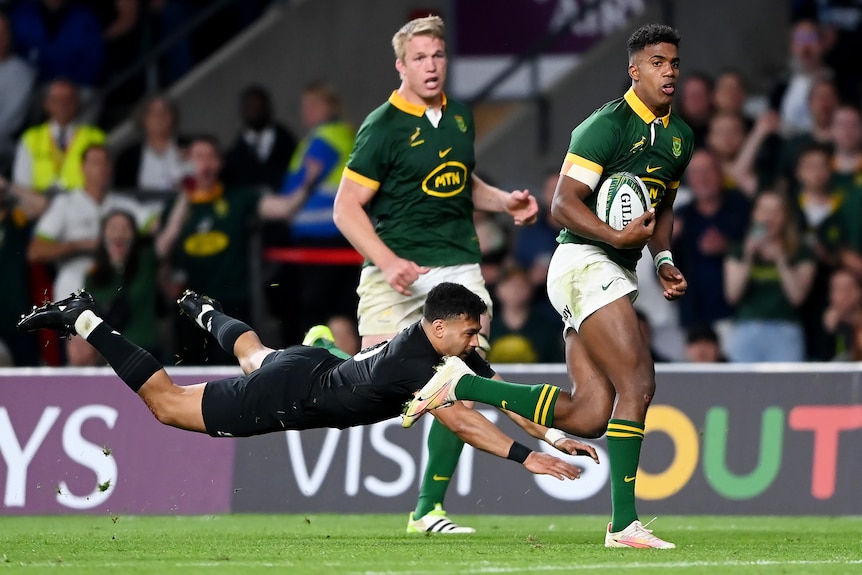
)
(377, 545)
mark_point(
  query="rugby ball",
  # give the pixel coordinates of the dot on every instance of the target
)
(621, 198)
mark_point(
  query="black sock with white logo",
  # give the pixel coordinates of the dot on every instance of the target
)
(133, 364)
(224, 328)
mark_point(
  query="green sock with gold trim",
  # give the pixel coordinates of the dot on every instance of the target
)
(535, 402)
(624, 450)
(444, 449)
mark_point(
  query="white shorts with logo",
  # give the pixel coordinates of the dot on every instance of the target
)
(583, 279)
(382, 310)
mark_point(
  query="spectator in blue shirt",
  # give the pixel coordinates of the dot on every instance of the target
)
(61, 39)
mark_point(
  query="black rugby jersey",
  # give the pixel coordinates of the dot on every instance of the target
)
(376, 382)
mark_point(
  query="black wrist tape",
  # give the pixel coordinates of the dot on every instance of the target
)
(519, 452)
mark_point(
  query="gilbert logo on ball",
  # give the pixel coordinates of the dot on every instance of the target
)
(621, 198)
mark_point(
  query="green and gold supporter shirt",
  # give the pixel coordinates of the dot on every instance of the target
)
(213, 245)
(764, 297)
(422, 176)
(625, 136)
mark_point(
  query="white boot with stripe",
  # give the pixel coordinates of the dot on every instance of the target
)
(435, 521)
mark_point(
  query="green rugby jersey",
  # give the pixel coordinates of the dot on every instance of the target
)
(422, 176)
(625, 136)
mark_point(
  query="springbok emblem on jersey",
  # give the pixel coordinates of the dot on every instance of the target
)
(413, 139)
(638, 145)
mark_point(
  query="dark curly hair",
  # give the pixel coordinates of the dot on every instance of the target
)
(652, 34)
(450, 300)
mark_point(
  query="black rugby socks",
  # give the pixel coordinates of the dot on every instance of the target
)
(133, 364)
(225, 329)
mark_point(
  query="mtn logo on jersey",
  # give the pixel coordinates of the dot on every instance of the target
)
(446, 180)
(656, 188)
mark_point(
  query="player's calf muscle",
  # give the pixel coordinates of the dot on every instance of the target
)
(637, 387)
(586, 411)
(590, 425)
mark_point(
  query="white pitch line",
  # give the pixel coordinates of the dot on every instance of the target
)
(477, 569)
(627, 565)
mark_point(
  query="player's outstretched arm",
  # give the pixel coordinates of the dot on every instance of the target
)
(553, 437)
(473, 428)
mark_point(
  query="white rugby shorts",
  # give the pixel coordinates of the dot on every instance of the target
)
(582, 279)
(383, 311)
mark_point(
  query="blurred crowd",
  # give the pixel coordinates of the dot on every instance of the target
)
(98, 45)
(172, 211)
(767, 226)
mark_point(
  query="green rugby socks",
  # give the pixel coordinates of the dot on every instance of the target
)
(624, 450)
(535, 402)
(444, 449)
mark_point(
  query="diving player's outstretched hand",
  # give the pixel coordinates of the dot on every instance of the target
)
(575, 447)
(545, 464)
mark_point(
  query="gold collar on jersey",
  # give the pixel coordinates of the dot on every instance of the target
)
(402, 104)
(641, 109)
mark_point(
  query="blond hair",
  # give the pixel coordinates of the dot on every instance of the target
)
(428, 26)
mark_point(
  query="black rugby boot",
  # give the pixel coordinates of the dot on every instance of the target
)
(191, 304)
(59, 315)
